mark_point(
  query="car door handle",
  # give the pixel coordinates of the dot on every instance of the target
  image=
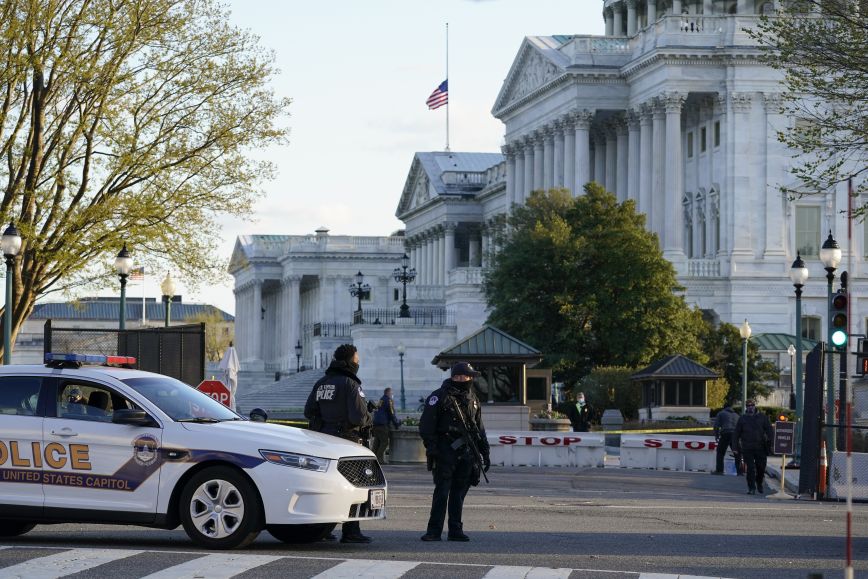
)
(64, 432)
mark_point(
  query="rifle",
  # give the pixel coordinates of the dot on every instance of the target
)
(470, 437)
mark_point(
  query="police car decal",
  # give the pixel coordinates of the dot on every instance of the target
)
(432, 401)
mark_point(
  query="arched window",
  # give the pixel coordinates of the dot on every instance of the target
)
(687, 205)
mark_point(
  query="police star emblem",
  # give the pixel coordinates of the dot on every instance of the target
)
(432, 401)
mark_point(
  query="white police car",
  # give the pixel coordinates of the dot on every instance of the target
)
(114, 445)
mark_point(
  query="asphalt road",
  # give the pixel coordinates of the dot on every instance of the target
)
(597, 522)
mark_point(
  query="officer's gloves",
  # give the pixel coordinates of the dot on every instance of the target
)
(486, 463)
(431, 457)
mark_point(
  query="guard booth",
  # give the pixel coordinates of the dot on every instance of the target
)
(674, 386)
(508, 387)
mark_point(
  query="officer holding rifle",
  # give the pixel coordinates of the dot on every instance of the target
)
(456, 449)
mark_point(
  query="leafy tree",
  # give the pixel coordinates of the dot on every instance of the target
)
(126, 121)
(611, 387)
(724, 347)
(821, 47)
(582, 280)
(218, 332)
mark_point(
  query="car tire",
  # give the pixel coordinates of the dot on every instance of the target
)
(14, 528)
(220, 509)
(310, 533)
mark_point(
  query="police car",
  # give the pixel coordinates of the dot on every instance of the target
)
(95, 443)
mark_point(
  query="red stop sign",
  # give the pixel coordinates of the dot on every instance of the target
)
(216, 390)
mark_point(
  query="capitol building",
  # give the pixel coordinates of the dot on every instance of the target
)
(671, 108)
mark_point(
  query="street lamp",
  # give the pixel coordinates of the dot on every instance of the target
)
(298, 349)
(798, 275)
(357, 290)
(791, 403)
(401, 350)
(10, 243)
(744, 331)
(404, 276)
(830, 255)
(123, 265)
(168, 289)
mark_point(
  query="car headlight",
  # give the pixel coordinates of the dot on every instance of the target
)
(297, 460)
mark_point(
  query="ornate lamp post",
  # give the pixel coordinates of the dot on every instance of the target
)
(10, 243)
(798, 275)
(401, 350)
(830, 255)
(168, 289)
(123, 265)
(404, 276)
(744, 331)
(357, 290)
(298, 350)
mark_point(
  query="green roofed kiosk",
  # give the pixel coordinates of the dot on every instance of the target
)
(674, 386)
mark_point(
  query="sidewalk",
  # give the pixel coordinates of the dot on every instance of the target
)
(773, 469)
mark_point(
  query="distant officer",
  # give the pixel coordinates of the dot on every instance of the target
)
(336, 405)
(753, 438)
(724, 428)
(449, 454)
(384, 421)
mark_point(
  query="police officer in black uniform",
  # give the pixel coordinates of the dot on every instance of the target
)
(449, 456)
(337, 406)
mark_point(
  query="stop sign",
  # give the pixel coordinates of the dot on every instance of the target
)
(216, 390)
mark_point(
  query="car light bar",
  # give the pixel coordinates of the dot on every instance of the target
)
(90, 359)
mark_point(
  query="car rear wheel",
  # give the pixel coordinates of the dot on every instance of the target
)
(14, 528)
(220, 509)
(310, 533)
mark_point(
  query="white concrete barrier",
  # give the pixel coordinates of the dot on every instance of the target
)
(668, 452)
(838, 475)
(543, 448)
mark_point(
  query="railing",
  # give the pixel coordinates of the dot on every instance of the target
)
(426, 292)
(420, 316)
(331, 329)
(600, 45)
(466, 275)
(703, 268)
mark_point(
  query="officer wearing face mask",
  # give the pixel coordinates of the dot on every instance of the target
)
(337, 406)
(449, 411)
(753, 438)
(579, 414)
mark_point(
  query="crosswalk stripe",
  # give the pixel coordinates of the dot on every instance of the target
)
(65, 563)
(673, 576)
(368, 568)
(514, 571)
(218, 566)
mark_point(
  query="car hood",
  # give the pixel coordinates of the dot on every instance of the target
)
(250, 437)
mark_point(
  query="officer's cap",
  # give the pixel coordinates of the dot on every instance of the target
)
(463, 369)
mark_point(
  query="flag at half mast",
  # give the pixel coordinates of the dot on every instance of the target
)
(439, 97)
(137, 273)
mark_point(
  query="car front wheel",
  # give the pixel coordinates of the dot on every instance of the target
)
(220, 509)
(14, 528)
(310, 533)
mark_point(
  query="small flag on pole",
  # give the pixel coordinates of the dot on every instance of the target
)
(439, 97)
(137, 273)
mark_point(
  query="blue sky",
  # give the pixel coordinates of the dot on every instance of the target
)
(359, 73)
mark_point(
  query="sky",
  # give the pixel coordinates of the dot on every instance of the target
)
(359, 73)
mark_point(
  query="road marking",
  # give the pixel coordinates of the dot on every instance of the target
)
(65, 563)
(368, 568)
(214, 566)
(516, 572)
(671, 576)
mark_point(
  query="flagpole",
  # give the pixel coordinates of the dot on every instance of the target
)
(447, 85)
(144, 320)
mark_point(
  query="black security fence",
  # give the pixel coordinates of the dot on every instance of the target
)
(176, 351)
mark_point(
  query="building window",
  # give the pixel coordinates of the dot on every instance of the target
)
(703, 136)
(716, 133)
(808, 231)
(811, 327)
(690, 145)
(396, 294)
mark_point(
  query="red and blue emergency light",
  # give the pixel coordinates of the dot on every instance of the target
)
(54, 358)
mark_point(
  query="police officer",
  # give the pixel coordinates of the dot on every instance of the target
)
(337, 406)
(724, 428)
(449, 456)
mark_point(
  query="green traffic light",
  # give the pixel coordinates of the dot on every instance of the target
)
(839, 338)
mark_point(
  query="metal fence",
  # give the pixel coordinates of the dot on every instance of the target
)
(176, 351)
(421, 316)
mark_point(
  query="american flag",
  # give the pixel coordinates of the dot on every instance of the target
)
(137, 274)
(439, 97)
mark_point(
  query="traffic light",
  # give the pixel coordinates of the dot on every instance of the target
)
(862, 357)
(839, 320)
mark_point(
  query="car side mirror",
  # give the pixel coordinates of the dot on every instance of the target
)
(132, 417)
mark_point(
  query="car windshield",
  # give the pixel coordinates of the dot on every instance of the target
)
(179, 401)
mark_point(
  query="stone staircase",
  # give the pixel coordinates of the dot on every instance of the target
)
(283, 398)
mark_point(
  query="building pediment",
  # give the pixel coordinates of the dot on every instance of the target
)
(538, 64)
(239, 259)
(417, 188)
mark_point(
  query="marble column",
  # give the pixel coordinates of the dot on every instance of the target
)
(256, 337)
(538, 160)
(611, 158)
(773, 174)
(652, 12)
(618, 22)
(485, 241)
(741, 7)
(509, 154)
(633, 163)
(441, 256)
(583, 151)
(622, 161)
(673, 246)
(738, 210)
(609, 19)
(294, 321)
(558, 161)
(646, 170)
(529, 165)
(631, 17)
(707, 7)
(518, 176)
(548, 158)
(570, 153)
(600, 157)
(474, 249)
(449, 253)
(239, 322)
(432, 258)
(423, 258)
(658, 205)
(677, 8)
